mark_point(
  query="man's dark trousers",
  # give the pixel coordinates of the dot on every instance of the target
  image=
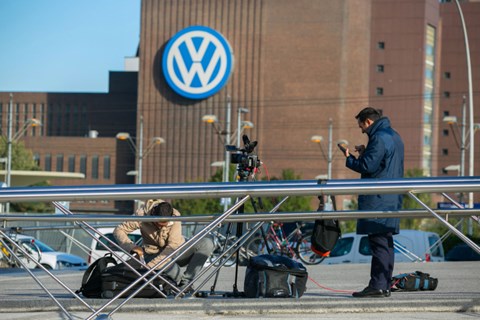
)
(383, 258)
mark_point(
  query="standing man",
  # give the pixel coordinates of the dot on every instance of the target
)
(382, 158)
(160, 239)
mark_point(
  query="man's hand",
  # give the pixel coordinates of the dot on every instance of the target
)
(138, 251)
(360, 149)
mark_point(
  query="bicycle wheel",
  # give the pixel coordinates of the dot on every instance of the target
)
(305, 253)
(256, 246)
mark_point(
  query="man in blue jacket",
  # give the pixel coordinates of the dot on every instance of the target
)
(382, 158)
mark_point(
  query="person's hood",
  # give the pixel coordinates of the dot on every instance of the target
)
(380, 124)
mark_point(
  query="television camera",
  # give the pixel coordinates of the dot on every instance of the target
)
(246, 158)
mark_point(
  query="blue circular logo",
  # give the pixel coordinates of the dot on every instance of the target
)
(197, 62)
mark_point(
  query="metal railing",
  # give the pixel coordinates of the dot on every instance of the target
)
(409, 187)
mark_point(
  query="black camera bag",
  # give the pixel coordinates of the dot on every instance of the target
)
(272, 276)
(414, 281)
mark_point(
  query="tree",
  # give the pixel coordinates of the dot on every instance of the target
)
(409, 203)
(211, 206)
(22, 159)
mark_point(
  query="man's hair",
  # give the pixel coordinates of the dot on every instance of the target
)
(369, 113)
(163, 209)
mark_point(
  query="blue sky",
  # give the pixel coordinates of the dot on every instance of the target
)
(65, 45)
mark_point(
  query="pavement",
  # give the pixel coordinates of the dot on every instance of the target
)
(328, 296)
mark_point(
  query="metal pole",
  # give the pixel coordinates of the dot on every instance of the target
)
(470, 102)
(463, 143)
(330, 129)
(140, 153)
(9, 149)
(226, 169)
(239, 126)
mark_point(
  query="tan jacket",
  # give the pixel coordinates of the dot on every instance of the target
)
(156, 240)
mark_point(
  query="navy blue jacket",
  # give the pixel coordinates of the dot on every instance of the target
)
(382, 159)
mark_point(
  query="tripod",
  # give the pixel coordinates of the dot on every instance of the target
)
(247, 163)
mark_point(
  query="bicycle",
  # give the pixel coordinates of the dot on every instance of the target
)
(221, 244)
(295, 245)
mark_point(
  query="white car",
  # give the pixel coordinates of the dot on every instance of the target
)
(46, 256)
(410, 246)
(97, 250)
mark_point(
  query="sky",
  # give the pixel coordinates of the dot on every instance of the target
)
(65, 45)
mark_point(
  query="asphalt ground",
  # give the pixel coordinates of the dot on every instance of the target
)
(328, 296)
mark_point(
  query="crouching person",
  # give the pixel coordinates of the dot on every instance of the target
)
(160, 239)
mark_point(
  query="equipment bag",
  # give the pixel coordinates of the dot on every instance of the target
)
(414, 281)
(273, 276)
(325, 233)
(115, 279)
(91, 281)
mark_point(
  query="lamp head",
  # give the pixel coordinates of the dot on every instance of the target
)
(123, 136)
(247, 125)
(450, 119)
(158, 140)
(210, 118)
(316, 139)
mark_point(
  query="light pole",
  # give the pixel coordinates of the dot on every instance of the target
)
(11, 138)
(462, 145)
(140, 154)
(328, 157)
(470, 101)
(229, 138)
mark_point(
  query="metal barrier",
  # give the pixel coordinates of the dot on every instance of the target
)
(409, 187)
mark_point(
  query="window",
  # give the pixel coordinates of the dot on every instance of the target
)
(445, 132)
(447, 75)
(343, 247)
(365, 247)
(446, 94)
(379, 91)
(436, 251)
(444, 152)
(381, 45)
(48, 162)
(94, 167)
(59, 162)
(83, 164)
(446, 113)
(106, 167)
(380, 68)
(71, 163)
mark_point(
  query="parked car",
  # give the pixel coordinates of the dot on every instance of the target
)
(410, 246)
(462, 252)
(97, 250)
(46, 256)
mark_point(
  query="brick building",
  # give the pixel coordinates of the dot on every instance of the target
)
(296, 65)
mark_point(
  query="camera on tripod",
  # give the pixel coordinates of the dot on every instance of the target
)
(246, 159)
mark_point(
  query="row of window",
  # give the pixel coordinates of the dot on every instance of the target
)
(72, 164)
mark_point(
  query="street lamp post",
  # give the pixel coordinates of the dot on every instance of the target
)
(11, 138)
(470, 100)
(463, 145)
(229, 138)
(328, 157)
(140, 154)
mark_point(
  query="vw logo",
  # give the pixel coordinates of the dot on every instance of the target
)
(197, 62)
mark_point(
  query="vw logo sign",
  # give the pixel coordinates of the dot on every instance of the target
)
(197, 62)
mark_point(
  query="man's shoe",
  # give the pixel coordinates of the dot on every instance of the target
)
(371, 293)
(185, 284)
(387, 293)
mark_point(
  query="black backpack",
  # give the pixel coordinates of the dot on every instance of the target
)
(92, 278)
(272, 276)
(325, 232)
